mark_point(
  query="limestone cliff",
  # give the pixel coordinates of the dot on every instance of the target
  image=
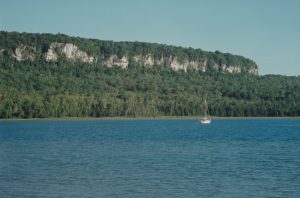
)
(115, 60)
(24, 52)
(121, 54)
(175, 64)
(69, 50)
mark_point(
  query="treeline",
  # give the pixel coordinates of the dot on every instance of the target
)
(102, 49)
(33, 89)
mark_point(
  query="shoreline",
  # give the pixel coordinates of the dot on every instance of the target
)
(148, 118)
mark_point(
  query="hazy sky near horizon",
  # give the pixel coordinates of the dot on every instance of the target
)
(266, 31)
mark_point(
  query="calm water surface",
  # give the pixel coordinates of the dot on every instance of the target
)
(150, 158)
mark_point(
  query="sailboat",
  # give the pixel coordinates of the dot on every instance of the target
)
(206, 119)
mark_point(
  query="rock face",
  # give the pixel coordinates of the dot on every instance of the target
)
(175, 64)
(24, 52)
(231, 68)
(115, 60)
(252, 70)
(145, 60)
(170, 61)
(185, 64)
(69, 50)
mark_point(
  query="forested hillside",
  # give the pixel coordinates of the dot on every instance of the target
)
(49, 47)
(33, 86)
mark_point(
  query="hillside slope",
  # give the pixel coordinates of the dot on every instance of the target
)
(24, 46)
(44, 75)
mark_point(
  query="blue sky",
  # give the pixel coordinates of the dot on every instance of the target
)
(267, 31)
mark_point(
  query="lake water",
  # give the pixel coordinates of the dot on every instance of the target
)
(150, 158)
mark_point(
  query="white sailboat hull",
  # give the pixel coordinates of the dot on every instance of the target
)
(205, 121)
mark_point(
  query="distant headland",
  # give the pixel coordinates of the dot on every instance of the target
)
(47, 75)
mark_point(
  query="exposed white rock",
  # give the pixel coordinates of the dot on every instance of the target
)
(149, 60)
(70, 51)
(159, 61)
(252, 70)
(24, 52)
(51, 55)
(115, 60)
(194, 65)
(231, 68)
(175, 64)
(198, 65)
(145, 60)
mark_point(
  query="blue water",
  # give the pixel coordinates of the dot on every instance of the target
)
(150, 158)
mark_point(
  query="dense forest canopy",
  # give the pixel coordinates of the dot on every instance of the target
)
(65, 88)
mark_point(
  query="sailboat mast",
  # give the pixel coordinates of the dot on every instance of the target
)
(206, 109)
